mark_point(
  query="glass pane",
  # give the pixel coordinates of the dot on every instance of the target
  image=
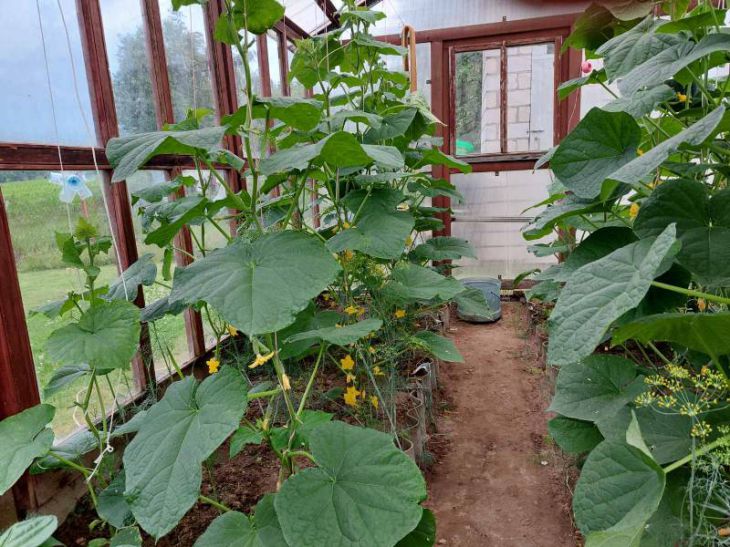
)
(305, 13)
(167, 335)
(272, 43)
(35, 214)
(477, 102)
(491, 218)
(253, 62)
(296, 89)
(530, 97)
(27, 113)
(187, 59)
(129, 65)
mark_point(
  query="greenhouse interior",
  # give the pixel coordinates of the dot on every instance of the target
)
(364, 273)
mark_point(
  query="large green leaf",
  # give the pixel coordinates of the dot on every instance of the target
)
(267, 523)
(412, 283)
(671, 60)
(72, 448)
(667, 436)
(33, 532)
(619, 489)
(683, 202)
(634, 171)
(703, 332)
(338, 150)
(600, 292)
(142, 272)
(364, 491)
(63, 376)
(112, 506)
(259, 16)
(392, 125)
(597, 245)
(128, 154)
(25, 436)
(443, 248)
(596, 387)
(379, 230)
(641, 103)
(126, 537)
(302, 114)
(258, 286)
(703, 226)
(600, 144)
(568, 207)
(626, 51)
(172, 216)
(105, 337)
(438, 346)
(231, 529)
(574, 436)
(163, 461)
(424, 534)
(472, 303)
(340, 335)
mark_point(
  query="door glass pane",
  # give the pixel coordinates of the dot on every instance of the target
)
(35, 214)
(129, 66)
(187, 59)
(530, 97)
(167, 334)
(28, 106)
(477, 102)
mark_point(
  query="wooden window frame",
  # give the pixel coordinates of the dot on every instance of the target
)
(502, 44)
(18, 379)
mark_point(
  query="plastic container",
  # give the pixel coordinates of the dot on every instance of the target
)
(491, 288)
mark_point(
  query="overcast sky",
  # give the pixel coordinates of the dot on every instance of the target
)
(25, 105)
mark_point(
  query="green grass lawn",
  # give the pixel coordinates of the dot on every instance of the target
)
(35, 214)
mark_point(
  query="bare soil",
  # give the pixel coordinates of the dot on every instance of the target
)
(498, 480)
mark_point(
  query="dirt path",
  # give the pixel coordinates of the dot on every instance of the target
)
(499, 483)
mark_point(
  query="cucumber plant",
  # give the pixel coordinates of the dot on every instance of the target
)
(323, 270)
(640, 323)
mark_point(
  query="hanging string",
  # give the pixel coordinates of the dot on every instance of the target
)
(192, 58)
(91, 135)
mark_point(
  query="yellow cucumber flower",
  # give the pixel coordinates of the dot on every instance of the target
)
(213, 365)
(634, 210)
(351, 310)
(261, 359)
(347, 362)
(374, 401)
(400, 314)
(232, 330)
(351, 395)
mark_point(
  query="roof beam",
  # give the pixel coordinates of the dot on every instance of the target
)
(329, 10)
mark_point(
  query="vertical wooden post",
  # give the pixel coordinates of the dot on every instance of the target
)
(18, 380)
(105, 117)
(155, 42)
(440, 106)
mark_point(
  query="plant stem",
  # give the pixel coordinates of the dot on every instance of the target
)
(214, 503)
(702, 451)
(690, 292)
(264, 394)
